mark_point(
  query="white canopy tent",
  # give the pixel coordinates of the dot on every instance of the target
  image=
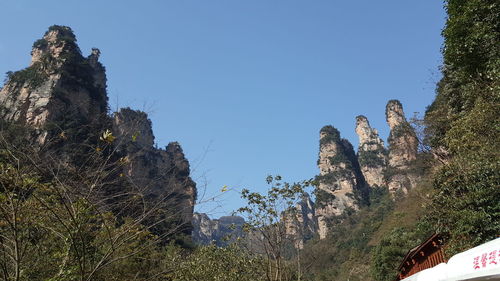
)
(479, 263)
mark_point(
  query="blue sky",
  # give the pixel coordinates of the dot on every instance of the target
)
(245, 86)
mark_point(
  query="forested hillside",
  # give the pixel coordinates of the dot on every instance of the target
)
(459, 196)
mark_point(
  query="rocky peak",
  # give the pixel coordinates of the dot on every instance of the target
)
(341, 185)
(371, 153)
(394, 114)
(344, 177)
(336, 161)
(403, 145)
(57, 43)
(159, 173)
(59, 85)
(329, 138)
(402, 140)
(99, 73)
(62, 97)
(135, 126)
(368, 136)
(176, 154)
(94, 57)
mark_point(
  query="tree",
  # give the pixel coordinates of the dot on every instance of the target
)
(389, 253)
(61, 220)
(213, 263)
(267, 226)
(463, 121)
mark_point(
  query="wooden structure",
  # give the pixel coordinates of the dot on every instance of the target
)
(426, 255)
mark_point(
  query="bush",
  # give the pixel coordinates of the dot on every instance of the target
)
(213, 263)
(372, 158)
(332, 135)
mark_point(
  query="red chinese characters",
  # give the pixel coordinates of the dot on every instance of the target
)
(487, 259)
(484, 259)
(492, 258)
(476, 263)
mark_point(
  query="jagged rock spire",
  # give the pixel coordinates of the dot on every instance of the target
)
(58, 85)
(394, 114)
(403, 142)
(341, 185)
(371, 153)
(403, 146)
(57, 43)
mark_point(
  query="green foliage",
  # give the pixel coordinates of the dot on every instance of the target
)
(372, 158)
(421, 167)
(332, 177)
(471, 64)
(40, 44)
(268, 216)
(390, 102)
(331, 135)
(65, 33)
(401, 130)
(463, 120)
(389, 253)
(69, 229)
(322, 198)
(340, 158)
(343, 255)
(34, 75)
(213, 263)
(476, 133)
(74, 220)
(466, 205)
(8, 75)
(264, 210)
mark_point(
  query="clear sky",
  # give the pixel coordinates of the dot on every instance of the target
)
(246, 85)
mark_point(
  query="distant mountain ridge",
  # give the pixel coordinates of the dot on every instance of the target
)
(217, 231)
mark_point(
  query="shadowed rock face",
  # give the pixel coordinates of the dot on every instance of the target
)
(162, 175)
(64, 93)
(133, 126)
(302, 224)
(403, 146)
(371, 153)
(218, 231)
(341, 185)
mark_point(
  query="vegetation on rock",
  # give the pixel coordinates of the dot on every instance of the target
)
(70, 210)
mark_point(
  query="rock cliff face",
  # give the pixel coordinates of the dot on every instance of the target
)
(403, 146)
(302, 224)
(344, 178)
(59, 86)
(162, 175)
(62, 95)
(372, 155)
(218, 231)
(341, 185)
